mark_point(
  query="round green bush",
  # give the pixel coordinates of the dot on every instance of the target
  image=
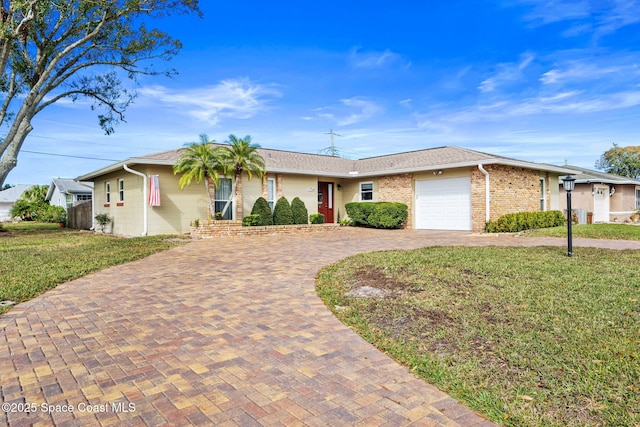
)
(317, 218)
(251, 220)
(300, 213)
(261, 207)
(282, 214)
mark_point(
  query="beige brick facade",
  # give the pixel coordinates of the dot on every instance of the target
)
(398, 188)
(512, 189)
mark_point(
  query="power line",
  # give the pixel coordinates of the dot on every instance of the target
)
(68, 155)
(90, 142)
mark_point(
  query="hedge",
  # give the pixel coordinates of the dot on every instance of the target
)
(317, 218)
(251, 220)
(282, 214)
(261, 207)
(377, 214)
(514, 222)
(299, 210)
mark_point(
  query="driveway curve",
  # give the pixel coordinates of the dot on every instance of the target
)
(226, 332)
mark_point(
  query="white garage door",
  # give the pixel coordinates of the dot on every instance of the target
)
(443, 204)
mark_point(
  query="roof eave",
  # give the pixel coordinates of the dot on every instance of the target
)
(605, 181)
(348, 174)
(526, 165)
(117, 166)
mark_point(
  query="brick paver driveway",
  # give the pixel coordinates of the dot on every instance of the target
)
(216, 332)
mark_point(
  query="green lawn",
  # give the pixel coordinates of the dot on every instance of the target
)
(37, 257)
(591, 231)
(525, 336)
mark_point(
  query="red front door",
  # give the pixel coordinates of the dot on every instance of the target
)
(325, 201)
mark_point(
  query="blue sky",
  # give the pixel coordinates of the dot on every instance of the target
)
(539, 80)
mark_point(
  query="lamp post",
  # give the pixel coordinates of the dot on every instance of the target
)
(569, 183)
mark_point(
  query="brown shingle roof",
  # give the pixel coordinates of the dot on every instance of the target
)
(279, 161)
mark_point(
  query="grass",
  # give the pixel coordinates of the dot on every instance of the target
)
(525, 336)
(591, 231)
(37, 257)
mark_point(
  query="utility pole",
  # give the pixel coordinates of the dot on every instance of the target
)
(333, 146)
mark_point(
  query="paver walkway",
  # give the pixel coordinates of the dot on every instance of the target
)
(217, 332)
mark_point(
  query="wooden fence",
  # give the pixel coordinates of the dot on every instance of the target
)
(79, 216)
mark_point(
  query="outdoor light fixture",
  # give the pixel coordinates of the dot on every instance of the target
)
(569, 183)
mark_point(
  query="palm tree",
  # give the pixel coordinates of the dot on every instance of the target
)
(240, 155)
(199, 161)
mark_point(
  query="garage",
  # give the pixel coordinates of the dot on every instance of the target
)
(443, 204)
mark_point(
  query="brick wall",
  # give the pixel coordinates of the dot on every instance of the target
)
(397, 188)
(211, 229)
(478, 199)
(513, 189)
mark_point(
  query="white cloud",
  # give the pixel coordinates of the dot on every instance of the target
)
(234, 98)
(586, 70)
(600, 18)
(373, 59)
(621, 14)
(353, 110)
(548, 11)
(507, 73)
(568, 104)
(361, 110)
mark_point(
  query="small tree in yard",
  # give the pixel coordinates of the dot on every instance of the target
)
(103, 220)
(72, 49)
(32, 204)
(261, 207)
(199, 162)
(282, 214)
(299, 210)
(240, 155)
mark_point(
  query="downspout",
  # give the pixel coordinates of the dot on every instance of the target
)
(93, 207)
(145, 210)
(487, 193)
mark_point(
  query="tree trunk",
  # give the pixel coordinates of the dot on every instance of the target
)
(211, 208)
(9, 158)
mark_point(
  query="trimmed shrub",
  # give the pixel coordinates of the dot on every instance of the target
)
(103, 220)
(261, 208)
(514, 222)
(251, 220)
(282, 214)
(299, 210)
(317, 218)
(377, 214)
(49, 213)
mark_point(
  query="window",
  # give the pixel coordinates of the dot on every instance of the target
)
(107, 192)
(223, 191)
(121, 190)
(271, 192)
(366, 191)
(637, 197)
(81, 197)
(543, 195)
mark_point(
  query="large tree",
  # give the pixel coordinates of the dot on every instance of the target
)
(623, 161)
(50, 50)
(240, 155)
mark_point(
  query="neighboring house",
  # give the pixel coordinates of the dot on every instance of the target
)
(67, 192)
(445, 188)
(609, 197)
(8, 197)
